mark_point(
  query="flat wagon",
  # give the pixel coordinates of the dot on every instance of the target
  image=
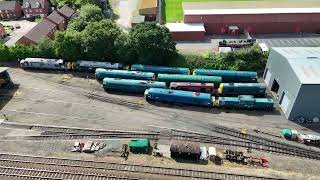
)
(179, 97)
(160, 69)
(123, 74)
(130, 85)
(229, 76)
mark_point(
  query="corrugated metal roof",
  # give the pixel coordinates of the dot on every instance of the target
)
(305, 62)
(250, 11)
(185, 27)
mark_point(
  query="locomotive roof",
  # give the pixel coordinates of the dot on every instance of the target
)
(193, 84)
(43, 60)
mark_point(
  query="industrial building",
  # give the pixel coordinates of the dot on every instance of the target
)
(238, 17)
(293, 75)
(186, 32)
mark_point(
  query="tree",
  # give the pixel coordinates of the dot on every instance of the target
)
(68, 45)
(152, 44)
(88, 13)
(45, 48)
(124, 53)
(20, 51)
(98, 40)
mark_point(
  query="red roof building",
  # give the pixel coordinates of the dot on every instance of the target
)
(57, 19)
(45, 29)
(66, 12)
(33, 8)
(10, 10)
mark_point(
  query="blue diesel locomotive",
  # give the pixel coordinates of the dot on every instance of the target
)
(123, 74)
(205, 99)
(160, 69)
(229, 76)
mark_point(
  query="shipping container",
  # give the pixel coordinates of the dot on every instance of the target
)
(123, 74)
(196, 87)
(180, 97)
(139, 146)
(257, 89)
(91, 66)
(229, 76)
(130, 85)
(160, 69)
(168, 78)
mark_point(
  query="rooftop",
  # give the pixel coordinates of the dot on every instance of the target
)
(40, 31)
(2, 69)
(305, 62)
(66, 11)
(33, 4)
(251, 11)
(145, 4)
(7, 5)
(55, 17)
(185, 27)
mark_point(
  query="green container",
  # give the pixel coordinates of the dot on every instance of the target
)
(168, 78)
(139, 146)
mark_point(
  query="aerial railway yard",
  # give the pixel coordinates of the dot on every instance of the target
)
(56, 103)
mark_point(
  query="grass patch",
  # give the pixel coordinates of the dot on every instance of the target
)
(172, 9)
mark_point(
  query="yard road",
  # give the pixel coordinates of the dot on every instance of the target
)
(126, 9)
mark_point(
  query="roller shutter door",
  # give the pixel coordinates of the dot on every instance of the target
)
(285, 103)
(268, 77)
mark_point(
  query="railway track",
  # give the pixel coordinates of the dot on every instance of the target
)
(133, 168)
(250, 141)
(34, 173)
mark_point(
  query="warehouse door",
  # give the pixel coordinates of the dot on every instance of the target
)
(284, 102)
(267, 77)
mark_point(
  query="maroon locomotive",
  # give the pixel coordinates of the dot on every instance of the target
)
(197, 87)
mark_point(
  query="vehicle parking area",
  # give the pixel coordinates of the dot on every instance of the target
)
(20, 28)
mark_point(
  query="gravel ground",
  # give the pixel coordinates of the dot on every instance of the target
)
(56, 99)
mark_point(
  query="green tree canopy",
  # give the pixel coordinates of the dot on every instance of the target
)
(45, 48)
(152, 44)
(68, 45)
(98, 40)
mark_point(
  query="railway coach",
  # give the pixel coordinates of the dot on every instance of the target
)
(160, 69)
(177, 96)
(91, 66)
(229, 76)
(168, 78)
(123, 74)
(131, 86)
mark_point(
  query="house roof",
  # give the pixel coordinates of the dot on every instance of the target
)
(40, 31)
(33, 3)
(66, 11)
(148, 7)
(7, 5)
(55, 17)
(185, 27)
(305, 62)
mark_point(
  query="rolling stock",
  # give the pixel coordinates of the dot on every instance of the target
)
(91, 66)
(168, 78)
(123, 74)
(237, 43)
(257, 89)
(160, 69)
(206, 99)
(229, 76)
(131, 86)
(177, 96)
(41, 63)
(197, 87)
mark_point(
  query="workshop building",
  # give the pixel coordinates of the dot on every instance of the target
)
(293, 75)
(149, 9)
(186, 32)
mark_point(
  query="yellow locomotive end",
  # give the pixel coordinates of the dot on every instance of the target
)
(220, 89)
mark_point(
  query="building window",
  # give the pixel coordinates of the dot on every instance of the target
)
(37, 11)
(40, 10)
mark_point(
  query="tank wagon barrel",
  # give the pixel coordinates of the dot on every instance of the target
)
(177, 96)
(129, 85)
(123, 74)
(257, 89)
(168, 78)
(160, 69)
(229, 76)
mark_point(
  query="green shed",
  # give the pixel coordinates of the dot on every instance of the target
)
(139, 146)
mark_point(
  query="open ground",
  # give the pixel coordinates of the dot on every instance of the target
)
(59, 99)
